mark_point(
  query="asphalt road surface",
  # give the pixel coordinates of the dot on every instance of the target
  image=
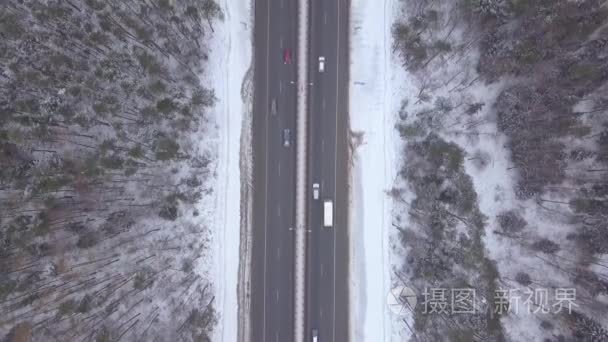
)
(274, 172)
(327, 264)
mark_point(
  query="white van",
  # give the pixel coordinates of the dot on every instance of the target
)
(328, 213)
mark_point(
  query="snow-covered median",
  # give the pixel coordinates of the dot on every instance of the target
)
(230, 60)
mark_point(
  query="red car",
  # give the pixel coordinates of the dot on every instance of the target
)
(287, 56)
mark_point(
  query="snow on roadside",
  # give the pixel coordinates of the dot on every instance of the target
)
(229, 60)
(376, 89)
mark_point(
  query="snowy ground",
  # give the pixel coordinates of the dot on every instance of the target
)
(377, 87)
(229, 61)
(379, 84)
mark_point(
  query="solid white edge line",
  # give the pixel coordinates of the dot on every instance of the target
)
(336, 162)
(266, 168)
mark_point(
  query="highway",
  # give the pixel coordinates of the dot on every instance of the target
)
(274, 173)
(272, 277)
(328, 165)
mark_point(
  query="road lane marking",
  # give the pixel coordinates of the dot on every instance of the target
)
(280, 87)
(279, 211)
(278, 252)
(281, 42)
(266, 170)
(325, 18)
(322, 145)
(322, 270)
(333, 326)
(277, 293)
(323, 104)
(279, 168)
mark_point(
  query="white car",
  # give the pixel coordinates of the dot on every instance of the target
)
(286, 137)
(321, 64)
(315, 191)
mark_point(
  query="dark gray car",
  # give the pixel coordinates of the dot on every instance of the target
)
(273, 107)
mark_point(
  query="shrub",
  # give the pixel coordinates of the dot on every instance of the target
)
(87, 240)
(85, 304)
(143, 279)
(104, 335)
(589, 206)
(511, 222)
(66, 308)
(443, 154)
(166, 149)
(113, 162)
(474, 108)
(166, 106)
(6, 287)
(546, 246)
(523, 278)
(169, 211)
(415, 129)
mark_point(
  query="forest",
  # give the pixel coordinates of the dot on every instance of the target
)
(108, 157)
(503, 183)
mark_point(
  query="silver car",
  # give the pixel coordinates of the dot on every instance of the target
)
(286, 137)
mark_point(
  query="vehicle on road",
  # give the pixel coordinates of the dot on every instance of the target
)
(315, 191)
(321, 64)
(286, 137)
(328, 213)
(273, 107)
(287, 56)
(315, 335)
